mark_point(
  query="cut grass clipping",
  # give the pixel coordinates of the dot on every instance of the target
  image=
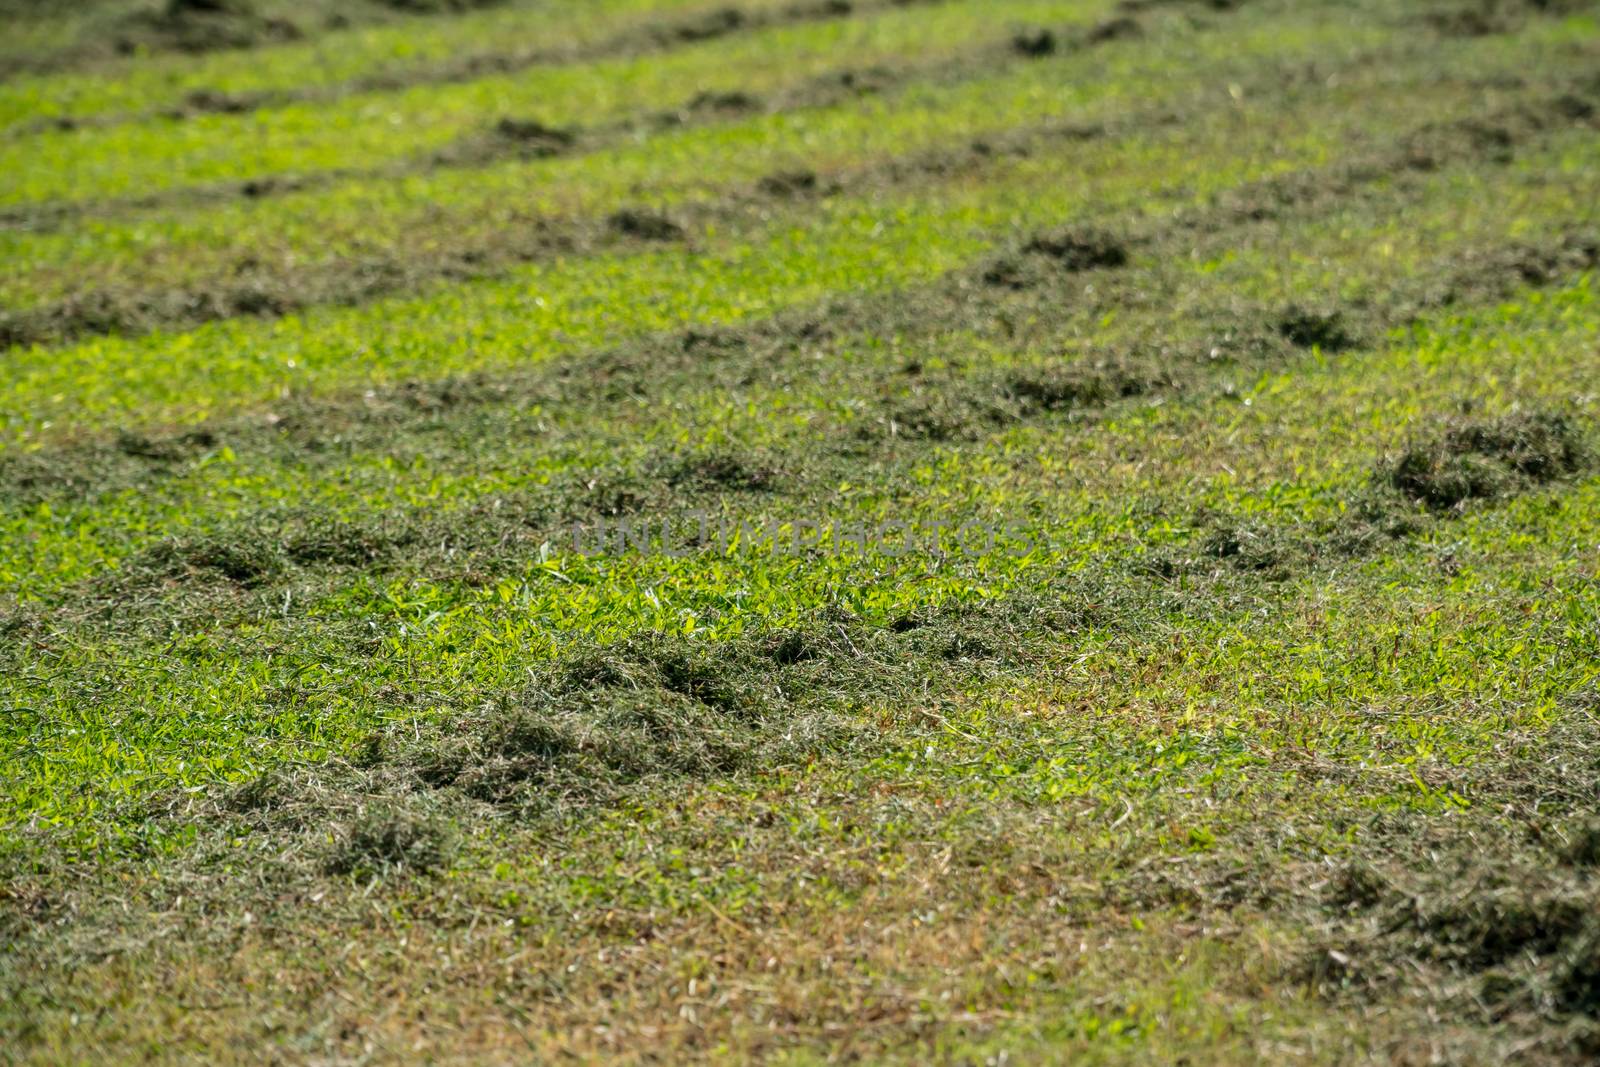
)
(356, 704)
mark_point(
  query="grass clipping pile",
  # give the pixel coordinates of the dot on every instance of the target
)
(1514, 942)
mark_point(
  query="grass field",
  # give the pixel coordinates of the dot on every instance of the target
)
(886, 531)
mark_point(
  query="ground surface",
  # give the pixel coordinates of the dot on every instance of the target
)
(1263, 337)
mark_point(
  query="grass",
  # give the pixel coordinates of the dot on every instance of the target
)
(1265, 729)
(279, 254)
(380, 41)
(337, 222)
(711, 277)
(469, 625)
(367, 131)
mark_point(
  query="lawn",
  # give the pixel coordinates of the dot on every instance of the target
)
(1034, 531)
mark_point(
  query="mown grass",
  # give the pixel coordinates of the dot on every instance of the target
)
(254, 361)
(1047, 779)
(1277, 744)
(279, 254)
(366, 132)
(240, 507)
(223, 479)
(390, 45)
(474, 622)
(677, 167)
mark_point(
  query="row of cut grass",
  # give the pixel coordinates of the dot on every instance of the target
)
(371, 132)
(403, 221)
(246, 362)
(1366, 249)
(403, 50)
(1068, 810)
(93, 712)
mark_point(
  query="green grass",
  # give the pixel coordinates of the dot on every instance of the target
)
(301, 243)
(320, 738)
(394, 48)
(476, 633)
(433, 210)
(229, 488)
(108, 379)
(729, 277)
(370, 131)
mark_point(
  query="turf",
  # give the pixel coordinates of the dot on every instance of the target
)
(1046, 531)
